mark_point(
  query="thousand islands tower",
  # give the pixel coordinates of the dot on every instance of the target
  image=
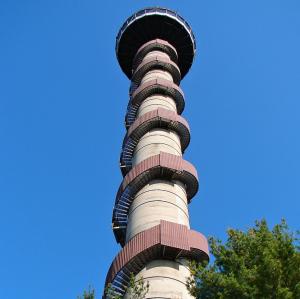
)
(155, 48)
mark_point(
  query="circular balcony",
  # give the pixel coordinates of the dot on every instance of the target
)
(155, 23)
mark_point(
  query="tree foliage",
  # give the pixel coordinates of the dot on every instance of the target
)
(260, 263)
(137, 289)
(90, 294)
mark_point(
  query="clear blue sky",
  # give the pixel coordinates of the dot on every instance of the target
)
(62, 104)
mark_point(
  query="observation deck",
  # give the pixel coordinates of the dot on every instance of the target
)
(152, 23)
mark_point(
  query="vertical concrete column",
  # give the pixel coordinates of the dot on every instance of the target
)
(160, 199)
(167, 279)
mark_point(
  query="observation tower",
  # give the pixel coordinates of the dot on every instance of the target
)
(155, 48)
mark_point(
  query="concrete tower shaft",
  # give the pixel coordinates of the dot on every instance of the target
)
(155, 48)
(161, 199)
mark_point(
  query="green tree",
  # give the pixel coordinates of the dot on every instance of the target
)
(257, 264)
(90, 294)
(137, 289)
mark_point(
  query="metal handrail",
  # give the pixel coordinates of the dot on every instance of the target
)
(160, 11)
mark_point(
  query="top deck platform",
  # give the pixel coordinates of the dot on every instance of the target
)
(151, 23)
